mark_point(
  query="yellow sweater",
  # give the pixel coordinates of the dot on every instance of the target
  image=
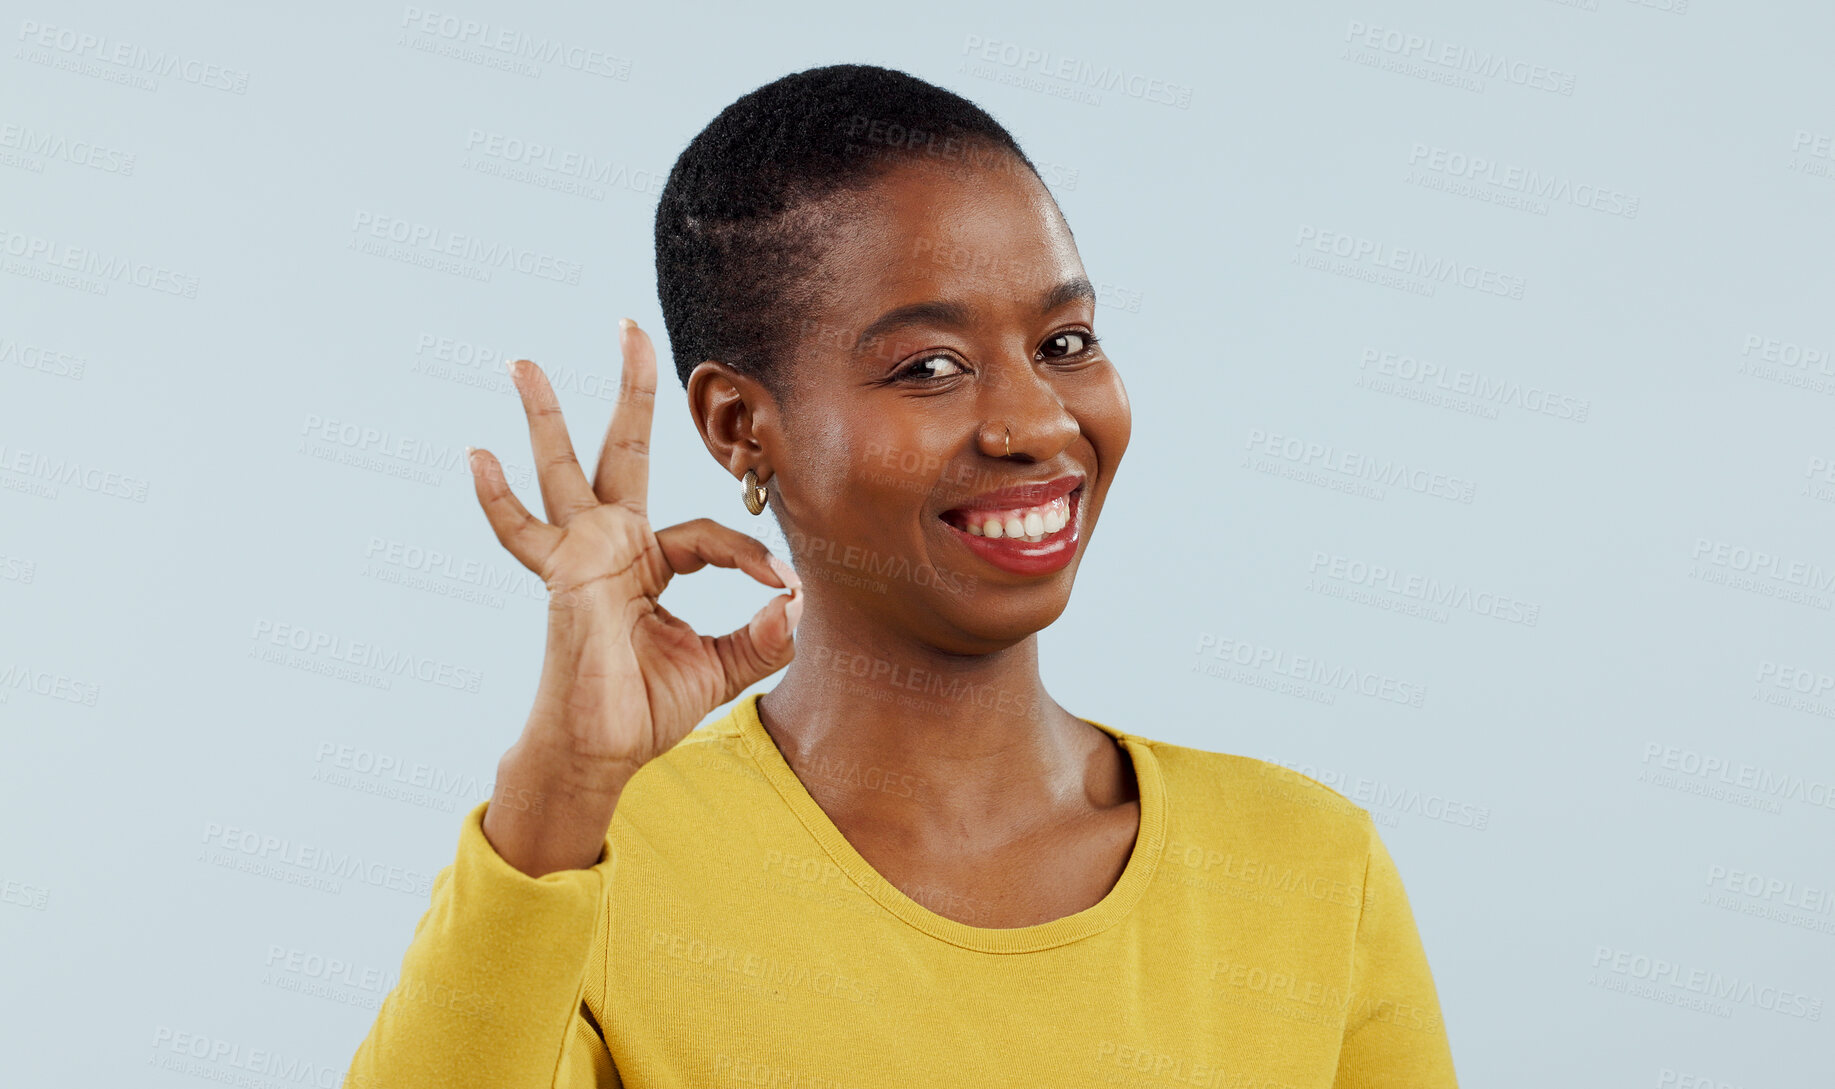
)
(1258, 938)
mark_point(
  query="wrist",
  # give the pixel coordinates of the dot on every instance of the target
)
(543, 817)
(537, 774)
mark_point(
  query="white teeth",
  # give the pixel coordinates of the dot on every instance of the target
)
(1025, 523)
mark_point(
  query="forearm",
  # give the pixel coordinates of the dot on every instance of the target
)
(491, 984)
(549, 812)
(555, 794)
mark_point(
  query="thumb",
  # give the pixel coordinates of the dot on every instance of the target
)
(765, 645)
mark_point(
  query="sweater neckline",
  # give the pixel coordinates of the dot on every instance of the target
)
(1135, 878)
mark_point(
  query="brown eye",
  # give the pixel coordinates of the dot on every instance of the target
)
(918, 368)
(1067, 344)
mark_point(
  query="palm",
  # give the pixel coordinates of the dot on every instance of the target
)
(641, 678)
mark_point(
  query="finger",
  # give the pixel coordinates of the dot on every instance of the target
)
(623, 474)
(527, 537)
(565, 492)
(765, 645)
(690, 546)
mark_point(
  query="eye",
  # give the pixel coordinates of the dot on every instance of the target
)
(919, 368)
(1071, 342)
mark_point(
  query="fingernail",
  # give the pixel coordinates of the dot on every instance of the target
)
(510, 365)
(787, 573)
(626, 324)
(471, 458)
(793, 611)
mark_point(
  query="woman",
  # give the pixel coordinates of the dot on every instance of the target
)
(905, 864)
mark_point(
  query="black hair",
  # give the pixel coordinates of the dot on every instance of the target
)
(742, 220)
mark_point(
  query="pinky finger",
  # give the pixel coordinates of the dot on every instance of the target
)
(527, 537)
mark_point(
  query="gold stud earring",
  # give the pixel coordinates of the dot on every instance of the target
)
(754, 492)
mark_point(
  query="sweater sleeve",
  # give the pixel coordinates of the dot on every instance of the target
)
(494, 987)
(1394, 1037)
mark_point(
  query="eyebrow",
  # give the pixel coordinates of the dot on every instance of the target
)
(939, 312)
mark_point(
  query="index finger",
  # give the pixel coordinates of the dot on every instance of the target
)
(623, 475)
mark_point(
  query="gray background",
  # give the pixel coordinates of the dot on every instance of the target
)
(194, 344)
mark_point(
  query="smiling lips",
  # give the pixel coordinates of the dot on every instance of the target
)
(1024, 523)
(1029, 529)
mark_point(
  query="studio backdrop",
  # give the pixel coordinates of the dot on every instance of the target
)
(1482, 366)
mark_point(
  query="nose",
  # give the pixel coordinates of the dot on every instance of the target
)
(1024, 414)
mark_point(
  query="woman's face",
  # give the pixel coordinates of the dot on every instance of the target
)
(959, 310)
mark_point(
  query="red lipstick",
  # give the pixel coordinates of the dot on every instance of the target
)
(1016, 554)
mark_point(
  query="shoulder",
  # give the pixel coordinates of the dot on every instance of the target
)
(1243, 813)
(1245, 782)
(707, 757)
(708, 775)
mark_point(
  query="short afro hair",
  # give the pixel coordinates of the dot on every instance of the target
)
(742, 219)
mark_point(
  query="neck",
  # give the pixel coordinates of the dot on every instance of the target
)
(887, 730)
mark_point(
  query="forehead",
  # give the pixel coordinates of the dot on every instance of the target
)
(989, 237)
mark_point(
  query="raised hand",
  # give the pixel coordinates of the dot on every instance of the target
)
(623, 679)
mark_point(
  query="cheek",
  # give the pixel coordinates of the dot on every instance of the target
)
(1106, 417)
(894, 468)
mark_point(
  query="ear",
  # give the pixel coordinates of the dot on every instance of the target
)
(736, 416)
